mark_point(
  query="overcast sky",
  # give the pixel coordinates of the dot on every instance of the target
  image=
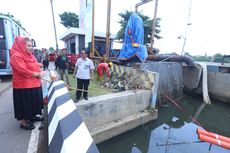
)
(209, 32)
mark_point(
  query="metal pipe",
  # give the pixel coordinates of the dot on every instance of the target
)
(51, 2)
(141, 3)
(172, 58)
(154, 24)
(108, 28)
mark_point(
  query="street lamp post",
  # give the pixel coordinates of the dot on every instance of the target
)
(180, 37)
(51, 2)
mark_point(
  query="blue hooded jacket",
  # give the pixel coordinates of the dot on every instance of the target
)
(134, 34)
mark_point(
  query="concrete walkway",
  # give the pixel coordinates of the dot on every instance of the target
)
(13, 139)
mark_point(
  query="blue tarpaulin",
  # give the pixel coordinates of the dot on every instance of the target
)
(134, 39)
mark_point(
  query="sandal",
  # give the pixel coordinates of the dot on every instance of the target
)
(28, 126)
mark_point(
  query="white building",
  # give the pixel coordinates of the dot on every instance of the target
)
(74, 39)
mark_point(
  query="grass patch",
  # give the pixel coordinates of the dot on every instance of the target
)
(94, 87)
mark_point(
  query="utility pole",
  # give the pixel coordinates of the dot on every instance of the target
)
(51, 2)
(154, 24)
(108, 27)
(92, 47)
(186, 28)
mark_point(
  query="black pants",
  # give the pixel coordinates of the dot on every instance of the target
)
(82, 84)
(45, 64)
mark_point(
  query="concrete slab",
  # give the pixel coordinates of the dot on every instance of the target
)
(109, 115)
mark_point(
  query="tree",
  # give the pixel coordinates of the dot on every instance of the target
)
(12, 17)
(217, 58)
(69, 19)
(147, 26)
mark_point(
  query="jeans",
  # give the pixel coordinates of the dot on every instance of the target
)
(63, 73)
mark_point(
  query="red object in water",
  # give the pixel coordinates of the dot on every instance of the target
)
(214, 138)
(213, 135)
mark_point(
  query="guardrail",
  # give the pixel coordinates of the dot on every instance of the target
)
(67, 132)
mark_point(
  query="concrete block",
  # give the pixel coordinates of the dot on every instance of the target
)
(111, 107)
(115, 128)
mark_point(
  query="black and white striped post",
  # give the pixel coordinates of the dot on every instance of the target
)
(67, 132)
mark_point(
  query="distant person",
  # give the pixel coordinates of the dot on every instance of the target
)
(27, 90)
(45, 58)
(62, 65)
(38, 55)
(56, 57)
(102, 69)
(83, 72)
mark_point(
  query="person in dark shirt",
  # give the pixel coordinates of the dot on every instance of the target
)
(45, 58)
(62, 65)
(38, 55)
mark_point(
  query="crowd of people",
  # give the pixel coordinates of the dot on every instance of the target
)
(28, 66)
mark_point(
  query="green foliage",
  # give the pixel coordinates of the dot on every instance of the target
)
(202, 58)
(147, 26)
(69, 19)
(12, 17)
(217, 58)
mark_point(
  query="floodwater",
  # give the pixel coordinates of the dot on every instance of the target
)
(175, 131)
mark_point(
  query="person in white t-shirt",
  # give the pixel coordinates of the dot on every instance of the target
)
(83, 72)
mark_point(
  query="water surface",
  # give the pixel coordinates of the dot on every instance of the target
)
(174, 131)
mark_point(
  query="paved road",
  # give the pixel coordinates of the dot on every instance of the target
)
(13, 139)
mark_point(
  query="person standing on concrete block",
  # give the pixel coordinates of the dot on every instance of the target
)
(83, 72)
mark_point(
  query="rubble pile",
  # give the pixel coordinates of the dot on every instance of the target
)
(123, 82)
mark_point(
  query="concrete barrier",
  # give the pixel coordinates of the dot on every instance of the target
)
(170, 79)
(67, 133)
(109, 115)
(105, 116)
(142, 76)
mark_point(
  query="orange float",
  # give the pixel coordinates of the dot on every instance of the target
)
(214, 141)
(213, 135)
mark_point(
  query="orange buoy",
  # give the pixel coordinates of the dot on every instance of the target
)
(214, 141)
(213, 135)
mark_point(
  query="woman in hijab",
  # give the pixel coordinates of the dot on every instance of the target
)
(27, 91)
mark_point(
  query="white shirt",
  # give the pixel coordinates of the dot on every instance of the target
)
(83, 68)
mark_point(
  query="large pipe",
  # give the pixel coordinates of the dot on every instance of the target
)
(172, 58)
